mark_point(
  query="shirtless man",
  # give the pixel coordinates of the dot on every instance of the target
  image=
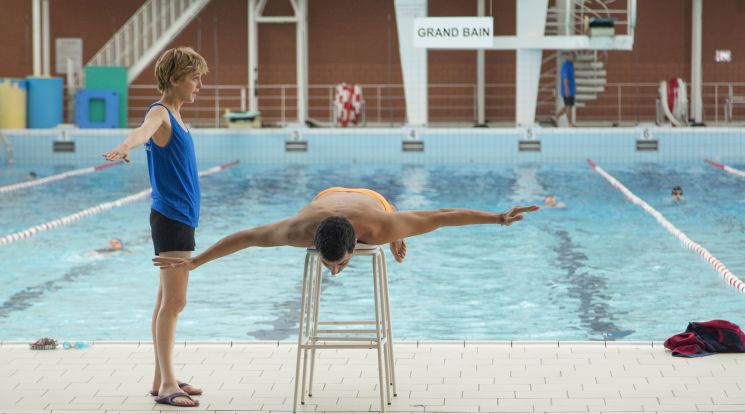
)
(337, 219)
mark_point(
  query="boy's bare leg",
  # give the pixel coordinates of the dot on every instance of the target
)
(173, 284)
(190, 389)
(156, 375)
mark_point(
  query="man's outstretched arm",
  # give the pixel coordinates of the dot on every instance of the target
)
(281, 233)
(404, 224)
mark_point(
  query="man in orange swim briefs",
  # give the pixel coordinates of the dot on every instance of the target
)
(337, 219)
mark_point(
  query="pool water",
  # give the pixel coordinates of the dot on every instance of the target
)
(601, 268)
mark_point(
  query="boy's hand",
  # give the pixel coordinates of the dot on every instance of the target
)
(174, 263)
(118, 153)
(516, 214)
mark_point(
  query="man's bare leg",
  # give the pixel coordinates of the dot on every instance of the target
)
(173, 283)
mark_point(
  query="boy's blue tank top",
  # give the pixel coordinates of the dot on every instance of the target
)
(174, 177)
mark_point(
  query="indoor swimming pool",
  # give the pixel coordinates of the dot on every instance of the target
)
(599, 269)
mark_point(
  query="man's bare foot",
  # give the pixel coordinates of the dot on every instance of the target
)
(398, 248)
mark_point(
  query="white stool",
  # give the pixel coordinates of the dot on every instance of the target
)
(331, 336)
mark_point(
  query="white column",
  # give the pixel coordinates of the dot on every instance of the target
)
(301, 47)
(253, 56)
(413, 61)
(480, 77)
(531, 22)
(697, 107)
(45, 37)
(36, 35)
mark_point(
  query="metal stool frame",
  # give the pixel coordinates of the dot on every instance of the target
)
(310, 337)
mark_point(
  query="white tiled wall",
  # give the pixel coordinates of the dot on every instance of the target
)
(384, 145)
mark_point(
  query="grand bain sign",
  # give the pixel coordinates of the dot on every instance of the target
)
(453, 32)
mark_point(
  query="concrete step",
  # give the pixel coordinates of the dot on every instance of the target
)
(581, 97)
(585, 58)
(590, 89)
(590, 73)
(590, 81)
(588, 65)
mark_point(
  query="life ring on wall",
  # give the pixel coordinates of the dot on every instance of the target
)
(674, 99)
(348, 102)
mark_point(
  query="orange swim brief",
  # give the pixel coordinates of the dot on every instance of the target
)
(386, 205)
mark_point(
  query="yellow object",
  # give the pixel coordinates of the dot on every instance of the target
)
(12, 103)
(386, 205)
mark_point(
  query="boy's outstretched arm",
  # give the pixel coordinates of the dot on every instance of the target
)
(154, 119)
(404, 224)
(281, 233)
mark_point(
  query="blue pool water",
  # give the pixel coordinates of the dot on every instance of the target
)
(602, 268)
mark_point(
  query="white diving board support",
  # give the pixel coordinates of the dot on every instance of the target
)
(413, 61)
(300, 18)
(531, 23)
(529, 42)
(697, 106)
(480, 77)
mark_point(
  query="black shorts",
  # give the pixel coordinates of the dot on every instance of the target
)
(569, 100)
(170, 235)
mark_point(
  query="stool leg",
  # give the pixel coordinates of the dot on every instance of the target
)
(377, 332)
(380, 259)
(300, 332)
(389, 334)
(308, 315)
(314, 331)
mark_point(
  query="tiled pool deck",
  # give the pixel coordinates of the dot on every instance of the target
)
(505, 377)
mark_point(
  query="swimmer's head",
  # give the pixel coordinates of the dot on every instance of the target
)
(335, 240)
(549, 200)
(677, 193)
(116, 244)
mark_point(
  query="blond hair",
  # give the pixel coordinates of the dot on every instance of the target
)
(176, 63)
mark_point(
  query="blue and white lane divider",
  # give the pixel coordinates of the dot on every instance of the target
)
(731, 279)
(730, 170)
(94, 210)
(56, 177)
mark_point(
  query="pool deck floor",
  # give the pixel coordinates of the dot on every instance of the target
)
(432, 376)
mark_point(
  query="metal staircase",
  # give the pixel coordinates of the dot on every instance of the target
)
(589, 65)
(150, 29)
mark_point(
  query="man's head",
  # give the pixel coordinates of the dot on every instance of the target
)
(549, 201)
(677, 193)
(335, 240)
(180, 70)
(116, 244)
(571, 55)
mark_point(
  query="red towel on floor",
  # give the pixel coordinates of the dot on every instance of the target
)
(706, 338)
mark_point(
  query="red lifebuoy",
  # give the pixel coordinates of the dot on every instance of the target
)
(348, 104)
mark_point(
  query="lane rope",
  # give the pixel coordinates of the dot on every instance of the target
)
(730, 278)
(729, 169)
(57, 177)
(24, 234)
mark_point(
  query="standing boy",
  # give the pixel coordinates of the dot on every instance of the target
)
(174, 211)
(568, 89)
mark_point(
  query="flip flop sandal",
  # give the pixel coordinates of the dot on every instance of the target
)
(169, 400)
(180, 385)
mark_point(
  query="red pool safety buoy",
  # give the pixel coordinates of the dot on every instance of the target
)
(348, 102)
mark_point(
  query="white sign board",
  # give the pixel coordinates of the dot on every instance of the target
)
(453, 32)
(68, 48)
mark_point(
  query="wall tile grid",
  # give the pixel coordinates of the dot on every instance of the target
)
(216, 146)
